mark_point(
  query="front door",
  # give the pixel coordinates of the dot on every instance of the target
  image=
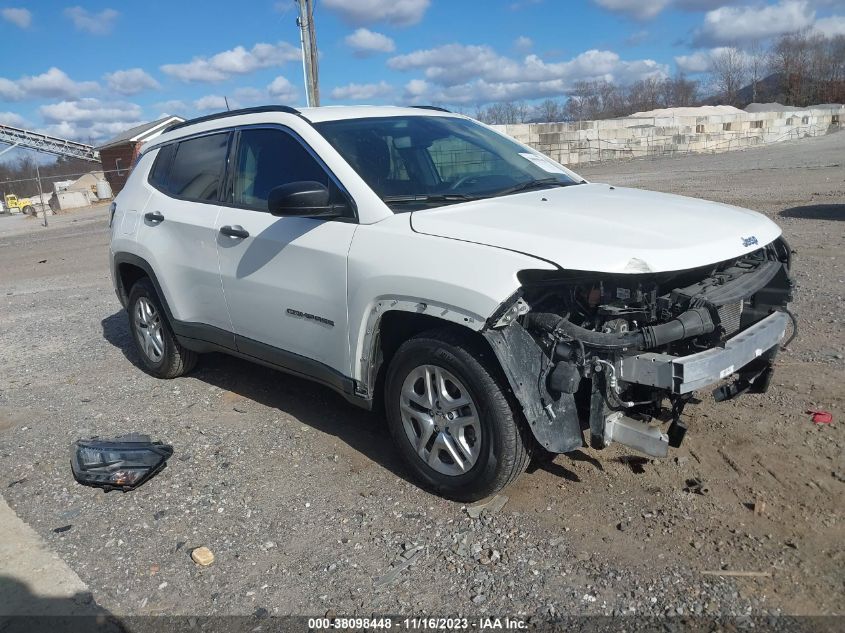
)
(284, 278)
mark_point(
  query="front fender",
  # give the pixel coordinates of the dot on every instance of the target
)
(390, 267)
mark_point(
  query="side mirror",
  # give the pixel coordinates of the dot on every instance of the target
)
(304, 199)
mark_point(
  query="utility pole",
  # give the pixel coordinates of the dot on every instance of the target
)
(40, 191)
(308, 39)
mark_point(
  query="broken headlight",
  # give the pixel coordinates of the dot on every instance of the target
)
(123, 463)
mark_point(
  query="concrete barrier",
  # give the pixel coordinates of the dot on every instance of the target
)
(633, 137)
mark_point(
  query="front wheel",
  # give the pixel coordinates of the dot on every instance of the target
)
(451, 419)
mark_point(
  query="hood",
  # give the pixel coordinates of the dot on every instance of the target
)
(600, 228)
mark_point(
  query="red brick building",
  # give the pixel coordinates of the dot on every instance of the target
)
(118, 154)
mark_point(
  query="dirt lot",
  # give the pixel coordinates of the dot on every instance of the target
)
(306, 508)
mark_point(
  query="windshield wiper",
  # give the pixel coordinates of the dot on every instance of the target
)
(535, 184)
(424, 198)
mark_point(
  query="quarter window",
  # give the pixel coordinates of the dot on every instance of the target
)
(161, 167)
(197, 168)
(269, 158)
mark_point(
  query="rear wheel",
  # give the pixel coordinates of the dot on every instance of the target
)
(28, 210)
(451, 418)
(160, 352)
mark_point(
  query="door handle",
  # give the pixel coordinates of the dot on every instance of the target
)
(154, 216)
(234, 231)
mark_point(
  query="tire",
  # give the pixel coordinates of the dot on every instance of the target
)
(28, 210)
(491, 452)
(160, 353)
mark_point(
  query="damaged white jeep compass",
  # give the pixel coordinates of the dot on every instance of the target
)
(493, 302)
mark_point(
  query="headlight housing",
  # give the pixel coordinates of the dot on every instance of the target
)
(123, 463)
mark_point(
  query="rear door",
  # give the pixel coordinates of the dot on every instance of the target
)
(284, 278)
(178, 232)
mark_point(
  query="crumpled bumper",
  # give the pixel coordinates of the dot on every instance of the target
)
(684, 374)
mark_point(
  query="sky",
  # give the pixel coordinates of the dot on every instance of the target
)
(92, 70)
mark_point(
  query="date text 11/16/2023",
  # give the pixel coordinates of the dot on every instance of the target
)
(417, 623)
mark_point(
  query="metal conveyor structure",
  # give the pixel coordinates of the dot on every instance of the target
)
(18, 137)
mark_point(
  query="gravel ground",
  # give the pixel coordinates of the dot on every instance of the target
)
(307, 510)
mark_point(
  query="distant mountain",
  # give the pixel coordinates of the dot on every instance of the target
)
(769, 89)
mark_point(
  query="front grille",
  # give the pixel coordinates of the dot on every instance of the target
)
(730, 316)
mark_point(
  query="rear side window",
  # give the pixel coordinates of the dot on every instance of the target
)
(192, 169)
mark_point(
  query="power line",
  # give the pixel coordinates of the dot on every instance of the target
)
(3, 181)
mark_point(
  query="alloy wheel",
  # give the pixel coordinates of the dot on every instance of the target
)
(440, 420)
(148, 329)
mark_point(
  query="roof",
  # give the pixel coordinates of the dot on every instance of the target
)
(335, 113)
(263, 114)
(141, 133)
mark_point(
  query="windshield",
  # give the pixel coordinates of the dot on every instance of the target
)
(415, 162)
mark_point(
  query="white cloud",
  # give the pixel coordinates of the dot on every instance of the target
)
(699, 61)
(397, 12)
(14, 119)
(703, 5)
(95, 23)
(10, 90)
(832, 26)
(361, 92)
(639, 9)
(90, 118)
(366, 42)
(172, 106)
(95, 133)
(417, 88)
(51, 84)
(456, 73)
(236, 61)
(131, 81)
(738, 25)
(19, 17)
(281, 89)
(213, 102)
(454, 64)
(523, 43)
(89, 111)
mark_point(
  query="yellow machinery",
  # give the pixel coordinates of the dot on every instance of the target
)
(19, 205)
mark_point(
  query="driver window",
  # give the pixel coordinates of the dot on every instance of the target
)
(268, 158)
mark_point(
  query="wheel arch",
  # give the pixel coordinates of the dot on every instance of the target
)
(394, 321)
(128, 269)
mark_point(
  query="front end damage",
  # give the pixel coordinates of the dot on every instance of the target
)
(622, 354)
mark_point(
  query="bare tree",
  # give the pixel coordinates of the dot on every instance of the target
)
(549, 111)
(644, 95)
(790, 59)
(577, 105)
(728, 73)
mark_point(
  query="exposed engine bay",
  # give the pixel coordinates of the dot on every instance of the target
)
(622, 353)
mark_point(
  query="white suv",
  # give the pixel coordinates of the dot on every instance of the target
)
(495, 303)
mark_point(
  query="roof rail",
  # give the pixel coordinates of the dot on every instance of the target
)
(431, 107)
(228, 113)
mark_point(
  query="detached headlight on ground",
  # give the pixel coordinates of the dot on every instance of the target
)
(122, 463)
